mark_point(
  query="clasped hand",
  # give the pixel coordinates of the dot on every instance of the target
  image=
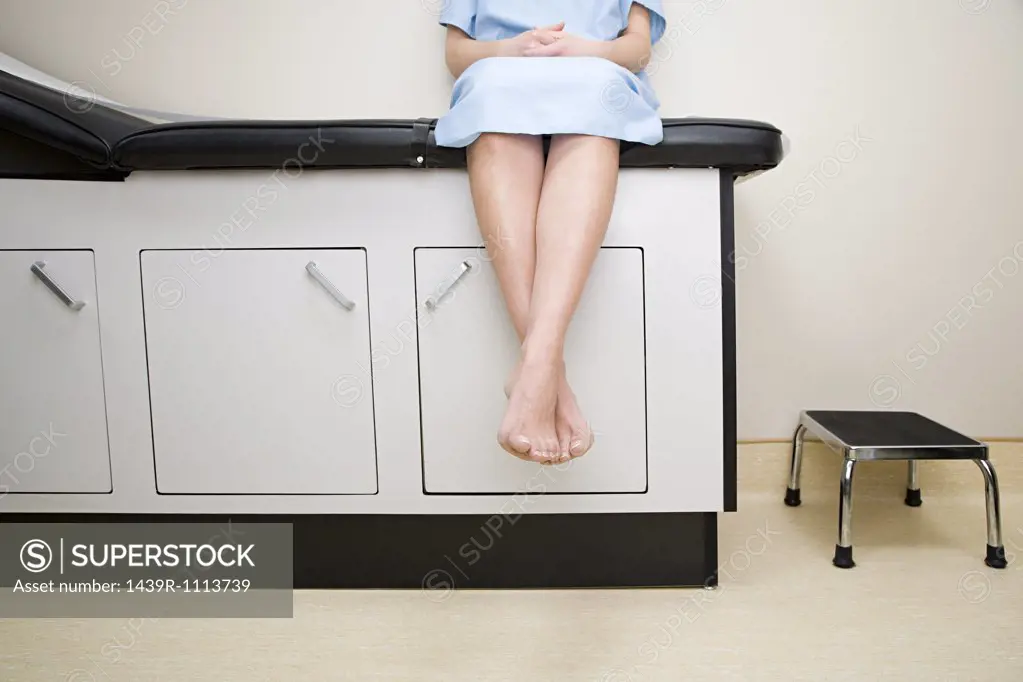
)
(552, 41)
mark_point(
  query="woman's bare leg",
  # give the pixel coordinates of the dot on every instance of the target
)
(506, 173)
(577, 197)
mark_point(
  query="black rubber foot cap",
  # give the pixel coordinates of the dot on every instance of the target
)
(791, 497)
(913, 498)
(996, 557)
(843, 557)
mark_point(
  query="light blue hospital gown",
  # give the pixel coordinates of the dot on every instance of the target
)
(550, 95)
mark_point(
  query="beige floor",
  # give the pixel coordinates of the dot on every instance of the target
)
(920, 606)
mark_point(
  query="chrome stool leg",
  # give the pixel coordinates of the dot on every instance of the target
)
(995, 550)
(843, 550)
(913, 498)
(792, 492)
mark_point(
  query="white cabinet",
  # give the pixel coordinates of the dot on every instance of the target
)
(467, 347)
(53, 422)
(259, 367)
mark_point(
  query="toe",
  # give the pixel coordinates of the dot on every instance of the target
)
(581, 444)
(564, 444)
(520, 444)
(541, 452)
(517, 446)
(553, 450)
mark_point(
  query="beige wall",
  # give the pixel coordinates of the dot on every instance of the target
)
(880, 265)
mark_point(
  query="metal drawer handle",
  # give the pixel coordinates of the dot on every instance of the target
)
(38, 269)
(434, 301)
(314, 270)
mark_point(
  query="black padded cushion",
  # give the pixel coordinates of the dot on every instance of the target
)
(108, 138)
(741, 146)
(22, 158)
(63, 120)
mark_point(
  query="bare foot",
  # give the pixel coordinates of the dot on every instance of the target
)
(575, 438)
(574, 434)
(528, 430)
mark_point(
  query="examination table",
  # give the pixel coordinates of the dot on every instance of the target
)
(298, 321)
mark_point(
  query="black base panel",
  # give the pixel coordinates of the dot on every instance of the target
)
(445, 551)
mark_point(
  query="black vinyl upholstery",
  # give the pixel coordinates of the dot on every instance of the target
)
(63, 121)
(109, 139)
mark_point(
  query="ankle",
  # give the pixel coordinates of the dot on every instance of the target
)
(543, 353)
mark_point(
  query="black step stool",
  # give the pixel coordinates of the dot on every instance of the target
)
(862, 436)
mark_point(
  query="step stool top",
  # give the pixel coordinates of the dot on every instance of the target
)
(885, 429)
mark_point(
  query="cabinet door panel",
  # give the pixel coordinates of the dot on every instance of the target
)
(467, 347)
(259, 376)
(53, 422)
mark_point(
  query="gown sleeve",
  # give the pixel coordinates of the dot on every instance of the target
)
(658, 24)
(460, 14)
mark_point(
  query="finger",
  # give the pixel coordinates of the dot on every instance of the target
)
(547, 37)
(560, 26)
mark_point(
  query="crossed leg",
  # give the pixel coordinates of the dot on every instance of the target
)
(544, 226)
